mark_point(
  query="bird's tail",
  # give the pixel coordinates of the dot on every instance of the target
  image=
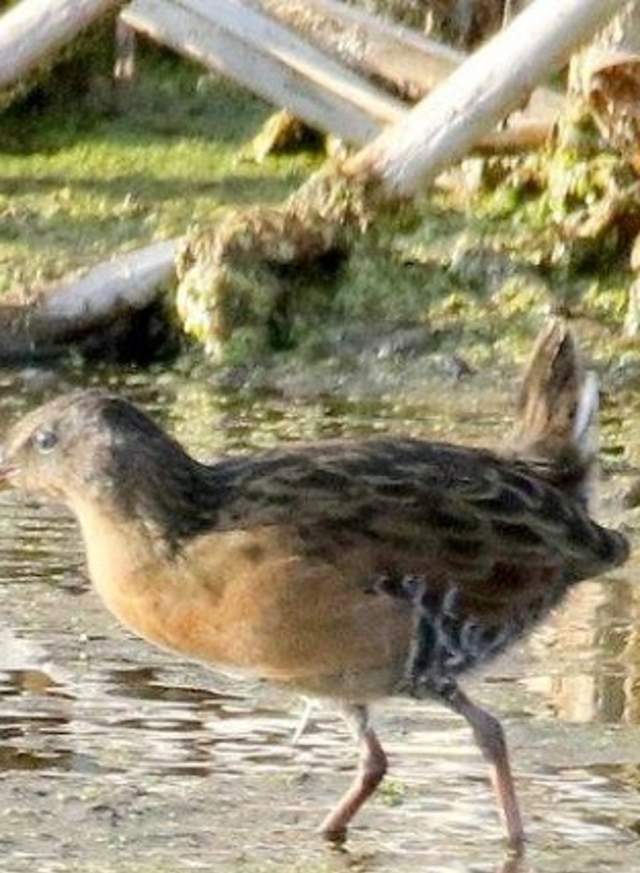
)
(557, 412)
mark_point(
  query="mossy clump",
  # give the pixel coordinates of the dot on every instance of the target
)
(478, 269)
(474, 265)
(239, 273)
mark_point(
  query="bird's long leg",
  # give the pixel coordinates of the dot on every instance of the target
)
(490, 738)
(371, 771)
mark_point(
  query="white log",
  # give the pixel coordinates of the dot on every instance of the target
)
(258, 29)
(394, 51)
(33, 29)
(271, 61)
(410, 60)
(78, 306)
(288, 73)
(125, 284)
(376, 45)
(398, 51)
(447, 123)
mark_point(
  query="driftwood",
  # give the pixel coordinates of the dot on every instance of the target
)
(115, 288)
(402, 56)
(288, 71)
(491, 83)
(214, 292)
(606, 76)
(271, 60)
(33, 29)
(409, 60)
(127, 282)
(412, 61)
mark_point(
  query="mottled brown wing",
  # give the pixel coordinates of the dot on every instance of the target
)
(452, 510)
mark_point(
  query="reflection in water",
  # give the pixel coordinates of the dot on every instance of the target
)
(596, 648)
(82, 704)
(18, 759)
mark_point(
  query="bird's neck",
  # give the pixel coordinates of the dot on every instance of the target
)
(115, 546)
(131, 572)
(162, 492)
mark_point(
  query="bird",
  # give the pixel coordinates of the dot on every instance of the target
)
(348, 570)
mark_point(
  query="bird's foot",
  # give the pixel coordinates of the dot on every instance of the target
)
(337, 836)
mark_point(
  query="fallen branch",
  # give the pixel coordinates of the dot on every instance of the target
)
(34, 29)
(220, 269)
(274, 62)
(270, 60)
(409, 60)
(480, 92)
(127, 282)
(122, 286)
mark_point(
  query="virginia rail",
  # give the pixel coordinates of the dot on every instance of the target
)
(350, 570)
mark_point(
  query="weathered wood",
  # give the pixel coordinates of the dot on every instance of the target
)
(286, 71)
(80, 306)
(606, 77)
(261, 30)
(34, 29)
(270, 60)
(125, 283)
(493, 80)
(408, 59)
(397, 53)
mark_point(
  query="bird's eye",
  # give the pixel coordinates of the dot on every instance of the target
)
(45, 440)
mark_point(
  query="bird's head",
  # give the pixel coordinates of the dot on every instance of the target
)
(87, 444)
(91, 448)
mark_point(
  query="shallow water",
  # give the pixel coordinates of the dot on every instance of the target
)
(117, 757)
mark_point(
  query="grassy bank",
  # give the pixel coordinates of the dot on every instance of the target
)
(471, 271)
(80, 181)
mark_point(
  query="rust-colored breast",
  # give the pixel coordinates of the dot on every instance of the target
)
(253, 601)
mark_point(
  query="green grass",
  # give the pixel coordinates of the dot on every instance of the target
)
(79, 181)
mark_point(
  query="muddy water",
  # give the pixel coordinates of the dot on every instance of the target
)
(118, 757)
